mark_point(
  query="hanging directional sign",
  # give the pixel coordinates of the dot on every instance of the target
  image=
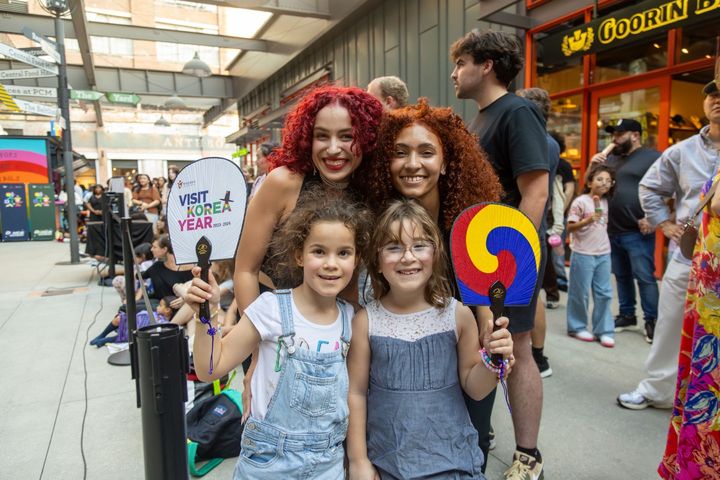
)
(35, 51)
(20, 73)
(16, 54)
(122, 98)
(89, 95)
(7, 100)
(36, 108)
(48, 46)
(23, 91)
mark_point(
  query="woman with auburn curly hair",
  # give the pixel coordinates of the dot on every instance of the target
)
(329, 135)
(426, 153)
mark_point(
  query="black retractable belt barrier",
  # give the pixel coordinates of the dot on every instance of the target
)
(162, 357)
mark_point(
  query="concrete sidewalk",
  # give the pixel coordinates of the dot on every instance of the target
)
(52, 382)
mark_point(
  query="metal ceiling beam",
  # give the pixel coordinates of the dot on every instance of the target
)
(79, 21)
(298, 8)
(13, 23)
(140, 82)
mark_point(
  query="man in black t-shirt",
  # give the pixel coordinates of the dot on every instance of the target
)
(632, 238)
(512, 133)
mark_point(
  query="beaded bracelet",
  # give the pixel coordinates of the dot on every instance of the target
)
(499, 370)
(210, 331)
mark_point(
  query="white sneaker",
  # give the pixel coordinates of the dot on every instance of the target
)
(583, 335)
(637, 401)
(607, 341)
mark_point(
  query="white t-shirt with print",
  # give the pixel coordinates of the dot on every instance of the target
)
(264, 313)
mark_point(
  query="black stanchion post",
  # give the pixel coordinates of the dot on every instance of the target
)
(123, 358)
(162, 355)
(109, 242)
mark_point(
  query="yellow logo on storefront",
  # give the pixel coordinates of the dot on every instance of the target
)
(579, 41)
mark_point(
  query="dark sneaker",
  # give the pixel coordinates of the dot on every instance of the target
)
(649, 330)
(543, 365)
(625, 322)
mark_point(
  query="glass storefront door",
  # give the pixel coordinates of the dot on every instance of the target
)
(648, 103)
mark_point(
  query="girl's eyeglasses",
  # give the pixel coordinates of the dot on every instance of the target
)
(394, 252)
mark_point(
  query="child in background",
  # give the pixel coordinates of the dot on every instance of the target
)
(299, 403)
(415, 350)
(590, 259)
(164, 312)
(143, 260)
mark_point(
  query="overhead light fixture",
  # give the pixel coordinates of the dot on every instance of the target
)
(656, 45)
(162, 122)
(175, 102)
(197, 67)
(684, 50)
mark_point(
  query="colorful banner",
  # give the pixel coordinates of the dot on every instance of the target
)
(42, 211)
(23, 160)
(13, 212)
(208, 198)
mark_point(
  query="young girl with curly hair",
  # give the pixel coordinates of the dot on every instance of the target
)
(299, 404)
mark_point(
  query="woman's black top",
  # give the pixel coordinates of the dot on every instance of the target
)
(163, 279)
(96, 203)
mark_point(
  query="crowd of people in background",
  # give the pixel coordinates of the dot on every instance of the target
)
(346, 235)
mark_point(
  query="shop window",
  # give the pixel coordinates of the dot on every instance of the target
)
(566, 121)
(686, 104)
(627, 60)
(558, 77)
(642, 105)
(124, 168)
(697, 42)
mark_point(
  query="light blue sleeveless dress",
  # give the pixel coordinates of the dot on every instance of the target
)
(418, 425)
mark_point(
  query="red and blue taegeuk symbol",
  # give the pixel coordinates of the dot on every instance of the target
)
(491, 242)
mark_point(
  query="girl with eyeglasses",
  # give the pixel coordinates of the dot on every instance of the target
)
(415, 351)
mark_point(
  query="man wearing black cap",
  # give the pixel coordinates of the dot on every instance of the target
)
(679, 173)
(631, 237)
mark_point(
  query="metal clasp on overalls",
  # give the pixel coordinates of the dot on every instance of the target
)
(290, 349)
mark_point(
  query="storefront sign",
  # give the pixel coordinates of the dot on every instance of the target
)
(42, 211)
(13, 212)
(625, 26)
(207, 199)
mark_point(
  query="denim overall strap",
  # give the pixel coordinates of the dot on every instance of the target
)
(345, 335)
(286, 316)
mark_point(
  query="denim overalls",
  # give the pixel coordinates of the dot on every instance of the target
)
(306, 422)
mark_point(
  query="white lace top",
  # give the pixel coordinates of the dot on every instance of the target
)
(411, 326)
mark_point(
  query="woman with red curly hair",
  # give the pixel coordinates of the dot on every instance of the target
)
(426, 153)
(329, 135)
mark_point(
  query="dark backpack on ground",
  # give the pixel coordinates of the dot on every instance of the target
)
(214, 428)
